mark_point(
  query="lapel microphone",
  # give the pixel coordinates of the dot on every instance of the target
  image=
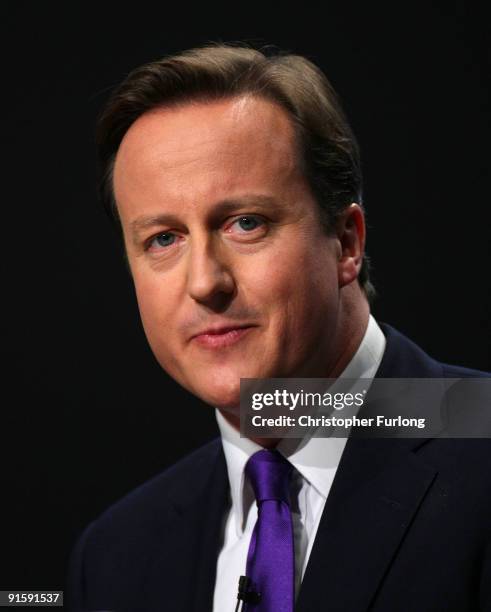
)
(245, 595)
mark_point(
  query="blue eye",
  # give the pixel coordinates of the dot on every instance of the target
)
(164, 240)
(248, 223)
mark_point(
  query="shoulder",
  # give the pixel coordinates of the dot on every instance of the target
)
(164, 492)
(131, 524)
(111, 557)
(455, 371)
(405, 359)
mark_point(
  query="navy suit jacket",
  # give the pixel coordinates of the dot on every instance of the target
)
(406, 526)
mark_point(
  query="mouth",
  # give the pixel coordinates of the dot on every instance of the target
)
(221, 337)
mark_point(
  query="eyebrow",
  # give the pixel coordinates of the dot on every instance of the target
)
(223, 207)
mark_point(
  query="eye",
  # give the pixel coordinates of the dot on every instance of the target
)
(247, 223)
(162, 240)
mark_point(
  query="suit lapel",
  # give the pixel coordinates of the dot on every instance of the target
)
(188, 543)
(378, 489)
(208, 517)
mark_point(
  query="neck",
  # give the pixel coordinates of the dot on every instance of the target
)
(352, 325)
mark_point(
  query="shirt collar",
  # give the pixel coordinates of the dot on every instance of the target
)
(316, 459)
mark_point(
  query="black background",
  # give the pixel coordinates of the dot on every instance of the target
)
(87, 413)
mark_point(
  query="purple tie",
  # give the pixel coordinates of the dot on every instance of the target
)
(270, 560)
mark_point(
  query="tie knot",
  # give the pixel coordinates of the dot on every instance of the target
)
(269, 474)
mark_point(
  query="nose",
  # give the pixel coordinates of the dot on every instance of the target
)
(210, 279)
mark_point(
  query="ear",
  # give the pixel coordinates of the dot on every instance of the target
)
(351, 232)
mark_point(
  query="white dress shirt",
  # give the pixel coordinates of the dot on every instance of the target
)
(315, 461)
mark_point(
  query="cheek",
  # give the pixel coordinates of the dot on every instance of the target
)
(148, 295)
(298, 292)
(157, 306)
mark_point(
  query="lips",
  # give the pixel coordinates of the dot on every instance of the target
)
(220, 337)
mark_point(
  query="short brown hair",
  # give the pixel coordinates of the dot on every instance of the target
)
(330, 154)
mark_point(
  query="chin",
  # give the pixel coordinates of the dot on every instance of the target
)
(221, 393)
(224, 399)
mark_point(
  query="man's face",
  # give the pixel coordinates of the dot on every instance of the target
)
(233, 274)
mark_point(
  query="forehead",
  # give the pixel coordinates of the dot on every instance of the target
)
(242, 137)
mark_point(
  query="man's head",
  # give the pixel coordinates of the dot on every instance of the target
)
(235, 177)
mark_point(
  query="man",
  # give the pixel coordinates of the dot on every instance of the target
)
(236, 181)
